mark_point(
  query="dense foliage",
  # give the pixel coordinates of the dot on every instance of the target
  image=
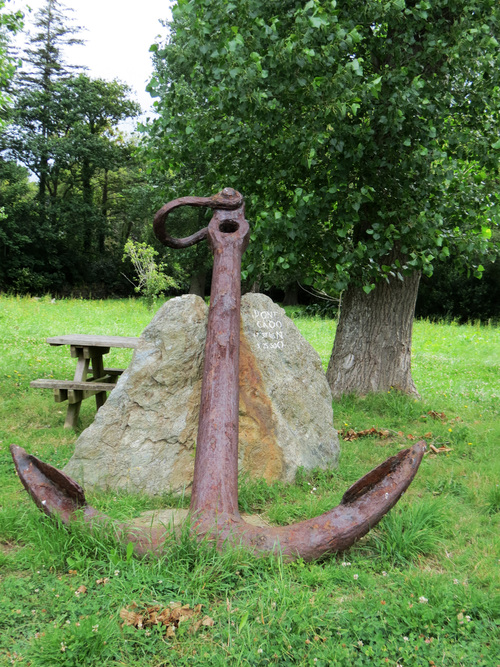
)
(366, 136)
(63, 129)
(448, 294)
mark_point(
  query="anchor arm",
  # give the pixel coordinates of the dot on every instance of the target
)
(375, 494)
(335, 530)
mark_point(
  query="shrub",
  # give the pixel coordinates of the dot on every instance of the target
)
(152, 280)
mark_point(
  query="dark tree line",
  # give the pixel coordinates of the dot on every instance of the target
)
(69, 178)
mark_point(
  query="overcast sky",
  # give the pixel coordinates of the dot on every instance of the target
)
(118, 36)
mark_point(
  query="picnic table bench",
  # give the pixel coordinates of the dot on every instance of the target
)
(89, 351)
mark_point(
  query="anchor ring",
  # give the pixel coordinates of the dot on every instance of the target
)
(227, 200)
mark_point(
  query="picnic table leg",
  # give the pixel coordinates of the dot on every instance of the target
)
(98, 372)
(81, 371)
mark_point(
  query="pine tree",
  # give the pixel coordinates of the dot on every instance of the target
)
(10, 24)
(37, 124)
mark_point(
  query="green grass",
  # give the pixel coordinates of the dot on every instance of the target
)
(420, 589)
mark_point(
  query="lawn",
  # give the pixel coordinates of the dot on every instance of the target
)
(420, 589)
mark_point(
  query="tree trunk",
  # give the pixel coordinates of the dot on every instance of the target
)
(104, 213)
(88, 222)
(43, 179)
(197, 283)
(372, 349)
(291, 297)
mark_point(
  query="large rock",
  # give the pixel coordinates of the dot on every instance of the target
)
(143, 438)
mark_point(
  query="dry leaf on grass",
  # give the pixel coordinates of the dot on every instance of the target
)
(170, 617)
(440, 450)
(207, 621)
(102, 582)
(194, 627)
(351, 434)
(131, 618)
(437, 415)
(181, 613)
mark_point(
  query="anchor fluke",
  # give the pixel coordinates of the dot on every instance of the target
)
(52, 490)
(361, 508)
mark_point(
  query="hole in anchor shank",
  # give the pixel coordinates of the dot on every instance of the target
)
(229, 226)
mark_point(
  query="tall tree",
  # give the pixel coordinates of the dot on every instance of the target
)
(92, 109)
(37, 117)
(366, 136)
(10, 24)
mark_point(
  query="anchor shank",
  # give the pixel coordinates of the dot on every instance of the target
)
(215, 483)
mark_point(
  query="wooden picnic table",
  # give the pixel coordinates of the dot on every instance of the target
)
(91, 377)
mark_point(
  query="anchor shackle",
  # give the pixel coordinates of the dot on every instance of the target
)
(228, 219)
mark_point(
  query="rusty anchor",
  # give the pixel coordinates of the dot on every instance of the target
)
(214, 501)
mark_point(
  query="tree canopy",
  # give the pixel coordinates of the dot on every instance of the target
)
(364, 135)
(10, 24)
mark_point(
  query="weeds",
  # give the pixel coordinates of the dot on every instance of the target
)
(492, 504)
(410, 531)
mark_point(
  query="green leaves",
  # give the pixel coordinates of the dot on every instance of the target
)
(318, 21)
(375, 86)
(233, 44)
(356, 66)
(374, 132)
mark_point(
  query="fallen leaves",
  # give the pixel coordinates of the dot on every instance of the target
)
(169, 617)
(350, 434)
(102, 582)
(439, 450)
(437, 415)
